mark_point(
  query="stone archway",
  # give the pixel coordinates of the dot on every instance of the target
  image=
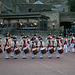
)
(66, 27)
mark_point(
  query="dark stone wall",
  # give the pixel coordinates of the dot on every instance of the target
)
(67, 17)
(25, 8)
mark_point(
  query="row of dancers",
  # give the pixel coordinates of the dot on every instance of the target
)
(14, 46)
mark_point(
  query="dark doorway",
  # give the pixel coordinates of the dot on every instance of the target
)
(67, 25)
(67, 28)
(30, 10)
(73, 28)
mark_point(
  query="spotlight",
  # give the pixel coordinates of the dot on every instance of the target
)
(21, 23)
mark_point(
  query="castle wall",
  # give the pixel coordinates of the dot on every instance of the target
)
(45, 9)
(26, 8)
(0, 6)
(54, 18)
(67, 17)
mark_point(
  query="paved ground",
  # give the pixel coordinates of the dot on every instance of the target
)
(62, 66)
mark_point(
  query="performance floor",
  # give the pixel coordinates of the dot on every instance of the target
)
(65, 65)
